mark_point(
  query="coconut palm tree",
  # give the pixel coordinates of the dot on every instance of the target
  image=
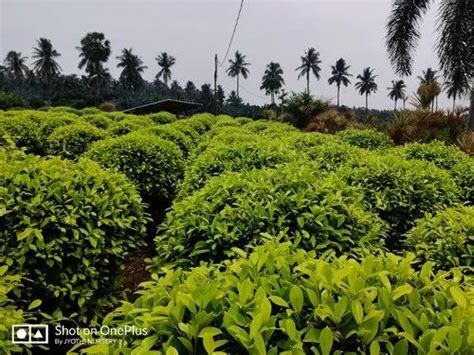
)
(15, 65)
(456, 88)
(131, 75)
(94, 53)
(309, 63)
(45, 66)
(428, 75)
(454, 45)
(272, 80)
(366, 85)
(238, 66)
(396, 91)
(165, 61)
(339, 76)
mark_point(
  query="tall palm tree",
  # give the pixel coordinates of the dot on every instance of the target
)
(238, 66)
(396, 91)
(456, 88)
(45, 65)
(428, 75)
(272, 80)
(165, 61)
(454, 45)
(15, 65)
(94, 53)
(309, 63)
(366, 85)
(131, 75)
(339, 76)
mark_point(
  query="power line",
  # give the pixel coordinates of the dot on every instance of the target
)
(233, 32)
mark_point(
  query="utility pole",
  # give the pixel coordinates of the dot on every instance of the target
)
(215, 75)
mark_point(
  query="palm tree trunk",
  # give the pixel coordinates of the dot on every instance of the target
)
(338, 89)
(454, 102)
(395, 105)
(436, 102)
(367, 104)
(273, 97)
(238, 86)
(470, 123)
(307, 82)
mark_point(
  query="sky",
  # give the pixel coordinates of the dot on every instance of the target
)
(194, 30)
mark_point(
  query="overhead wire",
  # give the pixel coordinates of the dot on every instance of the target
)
(233, 33)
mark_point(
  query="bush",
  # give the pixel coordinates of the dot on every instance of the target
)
(9, 100)
(332, 156)
(365, 138)
(171, 134)
(466, 143)
(128, 125)
(107, 106)
(307, 141)
(330, 121)
(441, 155)
(187, 129)
(67, 226)
(73, 140)
(231, 211)
(162, 117)
(303, 107)
(221, 157)
(463, 176)
(270, 128)
(414, 126)
(280, 301)
(100, 121)
(155, 165)
(243, 120)
(401, 191)
(22, 131)
(90, 111)
(446, 238)
(207, 119)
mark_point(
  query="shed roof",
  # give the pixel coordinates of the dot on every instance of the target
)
(170, 105)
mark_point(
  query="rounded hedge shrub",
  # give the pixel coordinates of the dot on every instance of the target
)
(365, 138)
(244, 156)
(446, 238)
(244, 120)
(99, 120)
(273, 129)
(128, 125)
(463, 175)
(441, 155)
(401, 191)
(187, 129)
(283, 301)
(68, 227)
(232, 210)
(307, 141)
(90, 111)
(227, 122)
(162, 117)
(155, 165)
(73, 140)
(22, 131)
(171, 134)
(228, 135)
(208, 119)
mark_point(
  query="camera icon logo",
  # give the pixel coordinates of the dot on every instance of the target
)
(30, 334)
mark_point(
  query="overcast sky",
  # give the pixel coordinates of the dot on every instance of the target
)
(194, 30)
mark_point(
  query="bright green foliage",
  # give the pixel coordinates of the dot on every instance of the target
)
(219, 158)
(65, 109)
(463, 175)
(128, 125)
(283, 301)
(446, 238)
(441, 155)
(99, 120)
(50, 123)
(401, 191)
(332, 156)
(272, 129)
(228, 135)
(365, 138)
(22, 131)
(227, 121)
(231, 211)
(67, 226)
(72, 140)
(243, 120)
(9, 312)
(155, 165)
(171, 134)
(90, 111)
(185, 127)
(162, 117)
(304, 142)
(207, 119)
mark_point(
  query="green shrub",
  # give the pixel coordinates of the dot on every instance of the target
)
(99, 121)
(171, 134)
(463, 176)
(207, 119)
(332, 156)
(155, 165)
(23, 132)
(219, 158)
(200, 126)
(67, 226)
(162, 117)
(243, 120)
(401, 191)
(226, 122)
(304, 142)
(446, 238)
(8, 100)
(73, 140)
(270, 128)
(365, 138)
(228, 135)
(187, 129)
(441, 155)
(232, 210)
(65, 109)
(279, 301)
(128, 125)
(90, 111)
